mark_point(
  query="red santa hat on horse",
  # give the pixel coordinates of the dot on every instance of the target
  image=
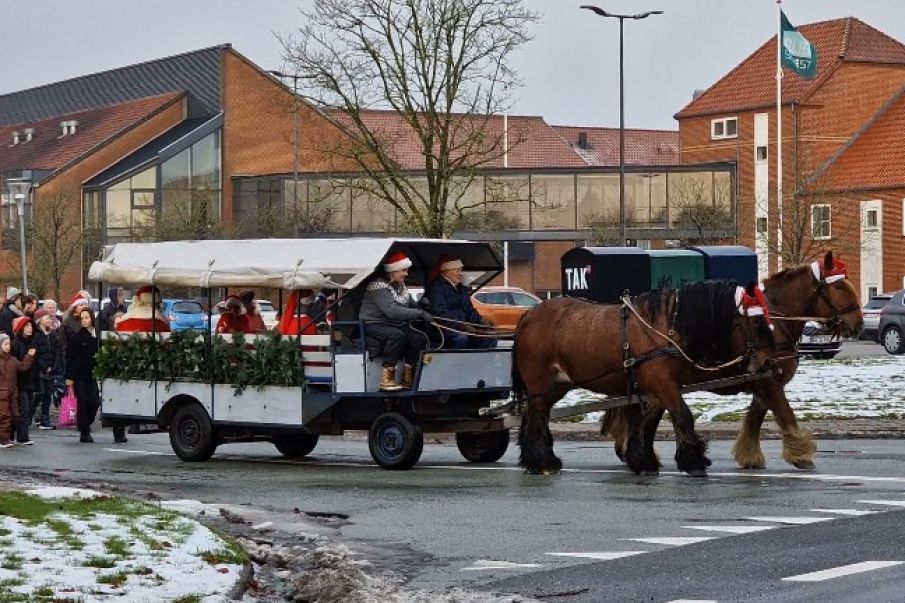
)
(142, 314)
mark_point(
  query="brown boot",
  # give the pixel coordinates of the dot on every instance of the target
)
(408, 376)
(388, 379)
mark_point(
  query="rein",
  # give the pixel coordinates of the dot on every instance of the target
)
(626, 302)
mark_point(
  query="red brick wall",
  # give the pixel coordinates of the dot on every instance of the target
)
(543, 273)
(812, 133)
(258, 128)
(70, 182)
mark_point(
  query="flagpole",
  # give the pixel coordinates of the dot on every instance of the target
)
(778, 135)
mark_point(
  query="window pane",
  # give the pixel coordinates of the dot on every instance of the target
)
(522, 299)
(498, 298)
(690, 193)
(731, 127)
(119, 208)
(553, 202)
(598, 200)
(145, 179)
(206, 162)
(175, 172)
(188, 307)
(371, 213)
(328, 206)
(507, 201)
(717, 128)
(143, 198)
(121, 185)
(467, 199)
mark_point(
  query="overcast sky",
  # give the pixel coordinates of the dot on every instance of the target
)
(570, 69)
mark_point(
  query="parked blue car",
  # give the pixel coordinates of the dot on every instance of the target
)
(185, 314)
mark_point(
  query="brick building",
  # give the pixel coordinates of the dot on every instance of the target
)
(842, 145)
(203, 144)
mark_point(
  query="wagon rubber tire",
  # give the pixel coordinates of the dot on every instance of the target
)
(483, 447)
(395, 441)
(295, 445)
(192, 435)
(892, 340)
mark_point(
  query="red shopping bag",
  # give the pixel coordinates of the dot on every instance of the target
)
(68, 406)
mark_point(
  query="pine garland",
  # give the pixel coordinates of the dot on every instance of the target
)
(199, 357)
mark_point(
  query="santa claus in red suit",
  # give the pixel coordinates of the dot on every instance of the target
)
(142, 317)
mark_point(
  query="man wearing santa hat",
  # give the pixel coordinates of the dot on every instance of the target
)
(387, 311)
(451, 299)
(142, 317)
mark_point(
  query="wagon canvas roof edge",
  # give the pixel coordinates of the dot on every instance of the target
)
(281, 263)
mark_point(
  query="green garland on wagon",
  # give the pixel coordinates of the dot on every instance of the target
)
(269, 360)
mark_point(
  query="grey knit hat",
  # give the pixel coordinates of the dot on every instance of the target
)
(3, 337)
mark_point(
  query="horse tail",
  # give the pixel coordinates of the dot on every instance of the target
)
(519, 389)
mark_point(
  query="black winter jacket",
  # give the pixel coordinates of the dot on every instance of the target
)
(80, 353)
(28, 380)
(50, 353)
(7, 316)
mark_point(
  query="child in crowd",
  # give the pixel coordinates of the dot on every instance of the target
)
(9, 392)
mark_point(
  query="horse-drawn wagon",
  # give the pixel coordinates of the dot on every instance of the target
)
(316, 384)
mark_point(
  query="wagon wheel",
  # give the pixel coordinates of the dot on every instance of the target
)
(483, 447)
(295, 445)
(192, 434)
(395, 441)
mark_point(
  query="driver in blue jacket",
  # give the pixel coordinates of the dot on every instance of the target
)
(451, 299)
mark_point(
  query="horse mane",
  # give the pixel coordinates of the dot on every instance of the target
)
(785, 275)
(653, 301)
(704, 319)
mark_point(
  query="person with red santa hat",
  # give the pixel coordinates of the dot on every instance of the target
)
(142, 317)
(387, 311)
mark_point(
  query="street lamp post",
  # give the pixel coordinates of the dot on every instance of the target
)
(19, 189)
(622, 18)
(295, 145)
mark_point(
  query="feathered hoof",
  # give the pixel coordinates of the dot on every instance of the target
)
(753, 466)
(804, 465)
(649, 473)
(697, 472)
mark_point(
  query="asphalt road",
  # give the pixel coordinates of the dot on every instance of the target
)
(860, 349)
(492, 527)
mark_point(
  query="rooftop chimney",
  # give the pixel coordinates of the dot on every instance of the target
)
(15, 139)
(697, 93)
(68, 127)
(29, 134)
(583, 140)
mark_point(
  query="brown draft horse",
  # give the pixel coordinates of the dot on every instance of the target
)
(566, 343)
(816, 291)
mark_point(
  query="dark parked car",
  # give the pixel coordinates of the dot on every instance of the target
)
(818, 342)
(872, 311)
(892, 324)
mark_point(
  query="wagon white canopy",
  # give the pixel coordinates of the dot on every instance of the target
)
(281, 263)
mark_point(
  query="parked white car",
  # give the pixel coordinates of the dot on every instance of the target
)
(268, 313)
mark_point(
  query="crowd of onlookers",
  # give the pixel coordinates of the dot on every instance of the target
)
(43, 353)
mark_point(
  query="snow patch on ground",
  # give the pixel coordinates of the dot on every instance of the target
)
(63, 492)
(825, 389)
(162, 557)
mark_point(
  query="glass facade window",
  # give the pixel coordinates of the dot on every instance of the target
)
(176, 172)
(552, 202)
(509, 202)
(329, 205)
(598, 200)
(689, 192)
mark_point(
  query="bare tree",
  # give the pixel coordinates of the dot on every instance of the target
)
(54, 239)
(442, 67)
(185, 215)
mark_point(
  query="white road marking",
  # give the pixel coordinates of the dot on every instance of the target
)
(731, 529)
(601, 556)
(486, 564)
(852, 512)
(843, 570)
(887, 503)
(672, 540)
(693, 601)
(795, 521)
(145, 452)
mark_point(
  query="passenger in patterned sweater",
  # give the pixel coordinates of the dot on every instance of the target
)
(388, 310)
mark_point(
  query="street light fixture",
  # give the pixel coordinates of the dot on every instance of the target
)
(19, 189)
(599, 11)
(295, 144)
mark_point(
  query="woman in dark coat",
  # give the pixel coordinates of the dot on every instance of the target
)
(49, 361)
(28, 381)
(80, 352)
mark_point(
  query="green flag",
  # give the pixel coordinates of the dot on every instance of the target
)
(798, 54)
